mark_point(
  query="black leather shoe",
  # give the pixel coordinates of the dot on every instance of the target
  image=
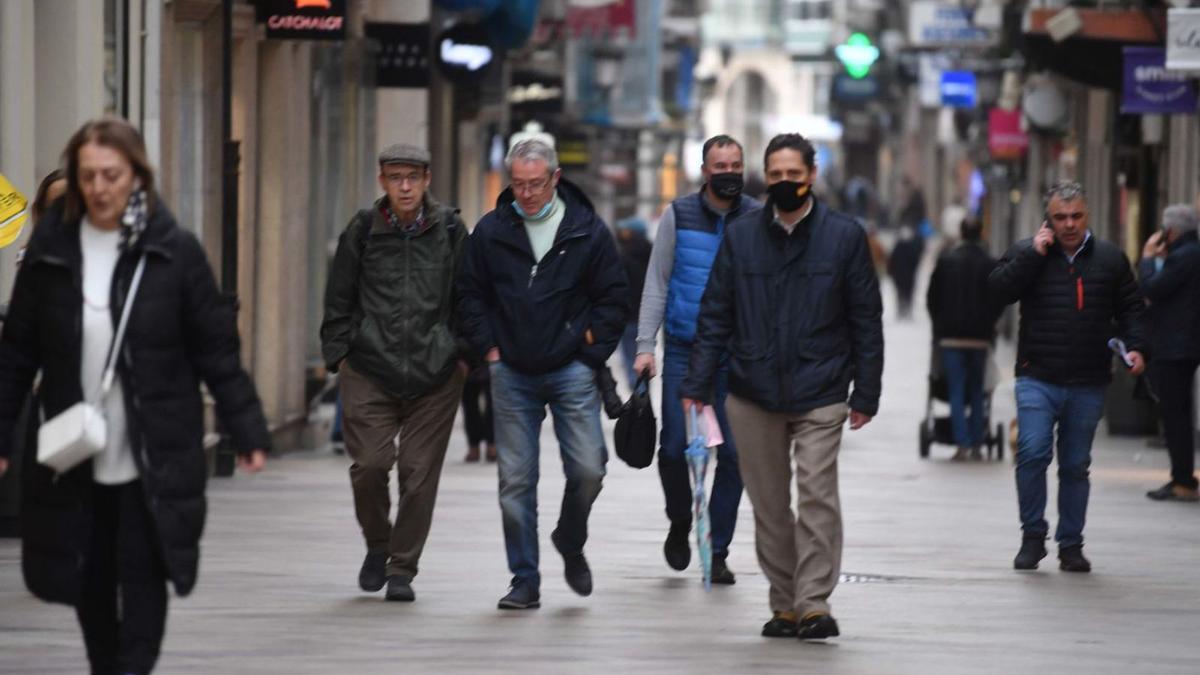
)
(780, 625)
(521, 595)
(372, 576)
(817, 627)
(1070, 559)
(575, 569)
(400, 589)
(721, 574)
(1033, 549)
(676, 549)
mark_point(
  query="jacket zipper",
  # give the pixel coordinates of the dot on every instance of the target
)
(532, 274)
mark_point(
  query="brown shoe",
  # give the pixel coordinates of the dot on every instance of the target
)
(472, 454)
(1174, 492)
(491, 452)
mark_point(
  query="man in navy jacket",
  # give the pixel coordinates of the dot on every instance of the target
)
(794, 297)
(543, 298)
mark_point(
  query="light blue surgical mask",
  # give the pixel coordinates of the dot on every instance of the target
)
(540, 215)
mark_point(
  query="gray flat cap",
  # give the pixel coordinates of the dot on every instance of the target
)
(403, 153)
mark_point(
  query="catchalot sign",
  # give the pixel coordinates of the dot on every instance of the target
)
(304, 19)
(14, 211)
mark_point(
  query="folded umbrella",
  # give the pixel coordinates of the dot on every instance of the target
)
(697, 459)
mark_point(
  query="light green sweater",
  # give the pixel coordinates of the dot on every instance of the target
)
(542, 232)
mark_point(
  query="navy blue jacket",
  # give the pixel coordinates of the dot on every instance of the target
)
(1069, 310)
(539, 313)
(800, 315)
(1174, 295)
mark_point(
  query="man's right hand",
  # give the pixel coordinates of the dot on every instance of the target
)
(644, 362)
(1155, 247)
(493, 355)
(3, 466)
(1043, 240)
(689, 403)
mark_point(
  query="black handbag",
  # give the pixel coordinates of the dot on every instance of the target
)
(636, 434)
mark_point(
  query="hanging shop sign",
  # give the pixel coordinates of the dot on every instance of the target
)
(959, 89)
(401, 54)
(1006, 139)
(857, 55)
(1148, 87)
(304, 19)
(464, 52)
(1183, 39)
(944, 24)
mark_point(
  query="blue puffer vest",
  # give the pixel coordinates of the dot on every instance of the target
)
(698, 233)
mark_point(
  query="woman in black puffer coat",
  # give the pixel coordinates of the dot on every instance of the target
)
(122, 524)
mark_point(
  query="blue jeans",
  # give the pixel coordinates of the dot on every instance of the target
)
(672, 466)
(963, 369)
(519, 404)
(1076, 410)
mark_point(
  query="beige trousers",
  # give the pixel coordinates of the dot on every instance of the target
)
(799, 551)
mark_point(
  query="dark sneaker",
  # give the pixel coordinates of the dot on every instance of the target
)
(372, 576)
(1070, 559)
(1173, 492)
(782, 624)
(676, 549)
(1033, 549)
(521, 595)
(817, 627)
(721, 574)
(575, 569)
(399, 588)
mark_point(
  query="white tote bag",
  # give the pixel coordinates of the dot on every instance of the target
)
(81, 431)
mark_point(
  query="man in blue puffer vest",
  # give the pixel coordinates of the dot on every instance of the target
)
(688, 237)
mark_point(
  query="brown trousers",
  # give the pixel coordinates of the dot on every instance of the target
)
(372, 419)
(800, 552)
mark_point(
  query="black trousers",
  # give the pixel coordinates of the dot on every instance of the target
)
(477, 410)
(123, 609)
(1174, 383)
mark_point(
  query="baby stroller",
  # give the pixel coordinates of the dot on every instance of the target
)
(939, 430)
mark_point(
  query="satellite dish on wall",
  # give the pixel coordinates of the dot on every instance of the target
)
(1045, 106)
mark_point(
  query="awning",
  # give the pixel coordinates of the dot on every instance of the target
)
(1092, 55)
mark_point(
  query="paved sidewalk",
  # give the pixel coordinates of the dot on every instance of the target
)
(929, 585)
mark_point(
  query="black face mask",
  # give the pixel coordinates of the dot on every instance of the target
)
(726, 185)
(789, 195)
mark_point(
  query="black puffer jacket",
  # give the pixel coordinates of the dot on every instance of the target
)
(1070, 310)
(181, 332)
(540, 312)
(389, 303)
(800, 315)
(958, 298)
(1174, 295)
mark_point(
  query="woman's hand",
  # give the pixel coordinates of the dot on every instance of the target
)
(3, 466)
(254, 462)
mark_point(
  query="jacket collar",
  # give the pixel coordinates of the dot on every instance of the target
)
(55, 239)
(806, 225)
(579, 210)
(1183, 240)
(734, 206)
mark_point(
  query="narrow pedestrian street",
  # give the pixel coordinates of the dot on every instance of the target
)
(928, 585)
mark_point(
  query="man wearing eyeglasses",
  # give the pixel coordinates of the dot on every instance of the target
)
(1076, 293)
(542, 296)
(388, 334)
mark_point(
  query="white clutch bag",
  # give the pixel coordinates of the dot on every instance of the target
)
(72, 437)
(81, 431)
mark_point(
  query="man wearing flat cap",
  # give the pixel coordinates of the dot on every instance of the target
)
(389, 335)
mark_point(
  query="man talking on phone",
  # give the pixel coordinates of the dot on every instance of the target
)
(1076, 292)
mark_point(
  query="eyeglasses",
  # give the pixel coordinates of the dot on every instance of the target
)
(401, 179)
(1064, 217)
(532, 187)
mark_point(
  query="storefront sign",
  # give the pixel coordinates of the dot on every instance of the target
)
(1148, 87)
(304, 19)
(958, 89)
(943, 24)
(463, 52)
(1006, 139)
(857, 55)
(1183, 39)
(401, 55)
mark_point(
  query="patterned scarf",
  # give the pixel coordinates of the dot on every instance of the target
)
(409, 229)
(133, 221)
